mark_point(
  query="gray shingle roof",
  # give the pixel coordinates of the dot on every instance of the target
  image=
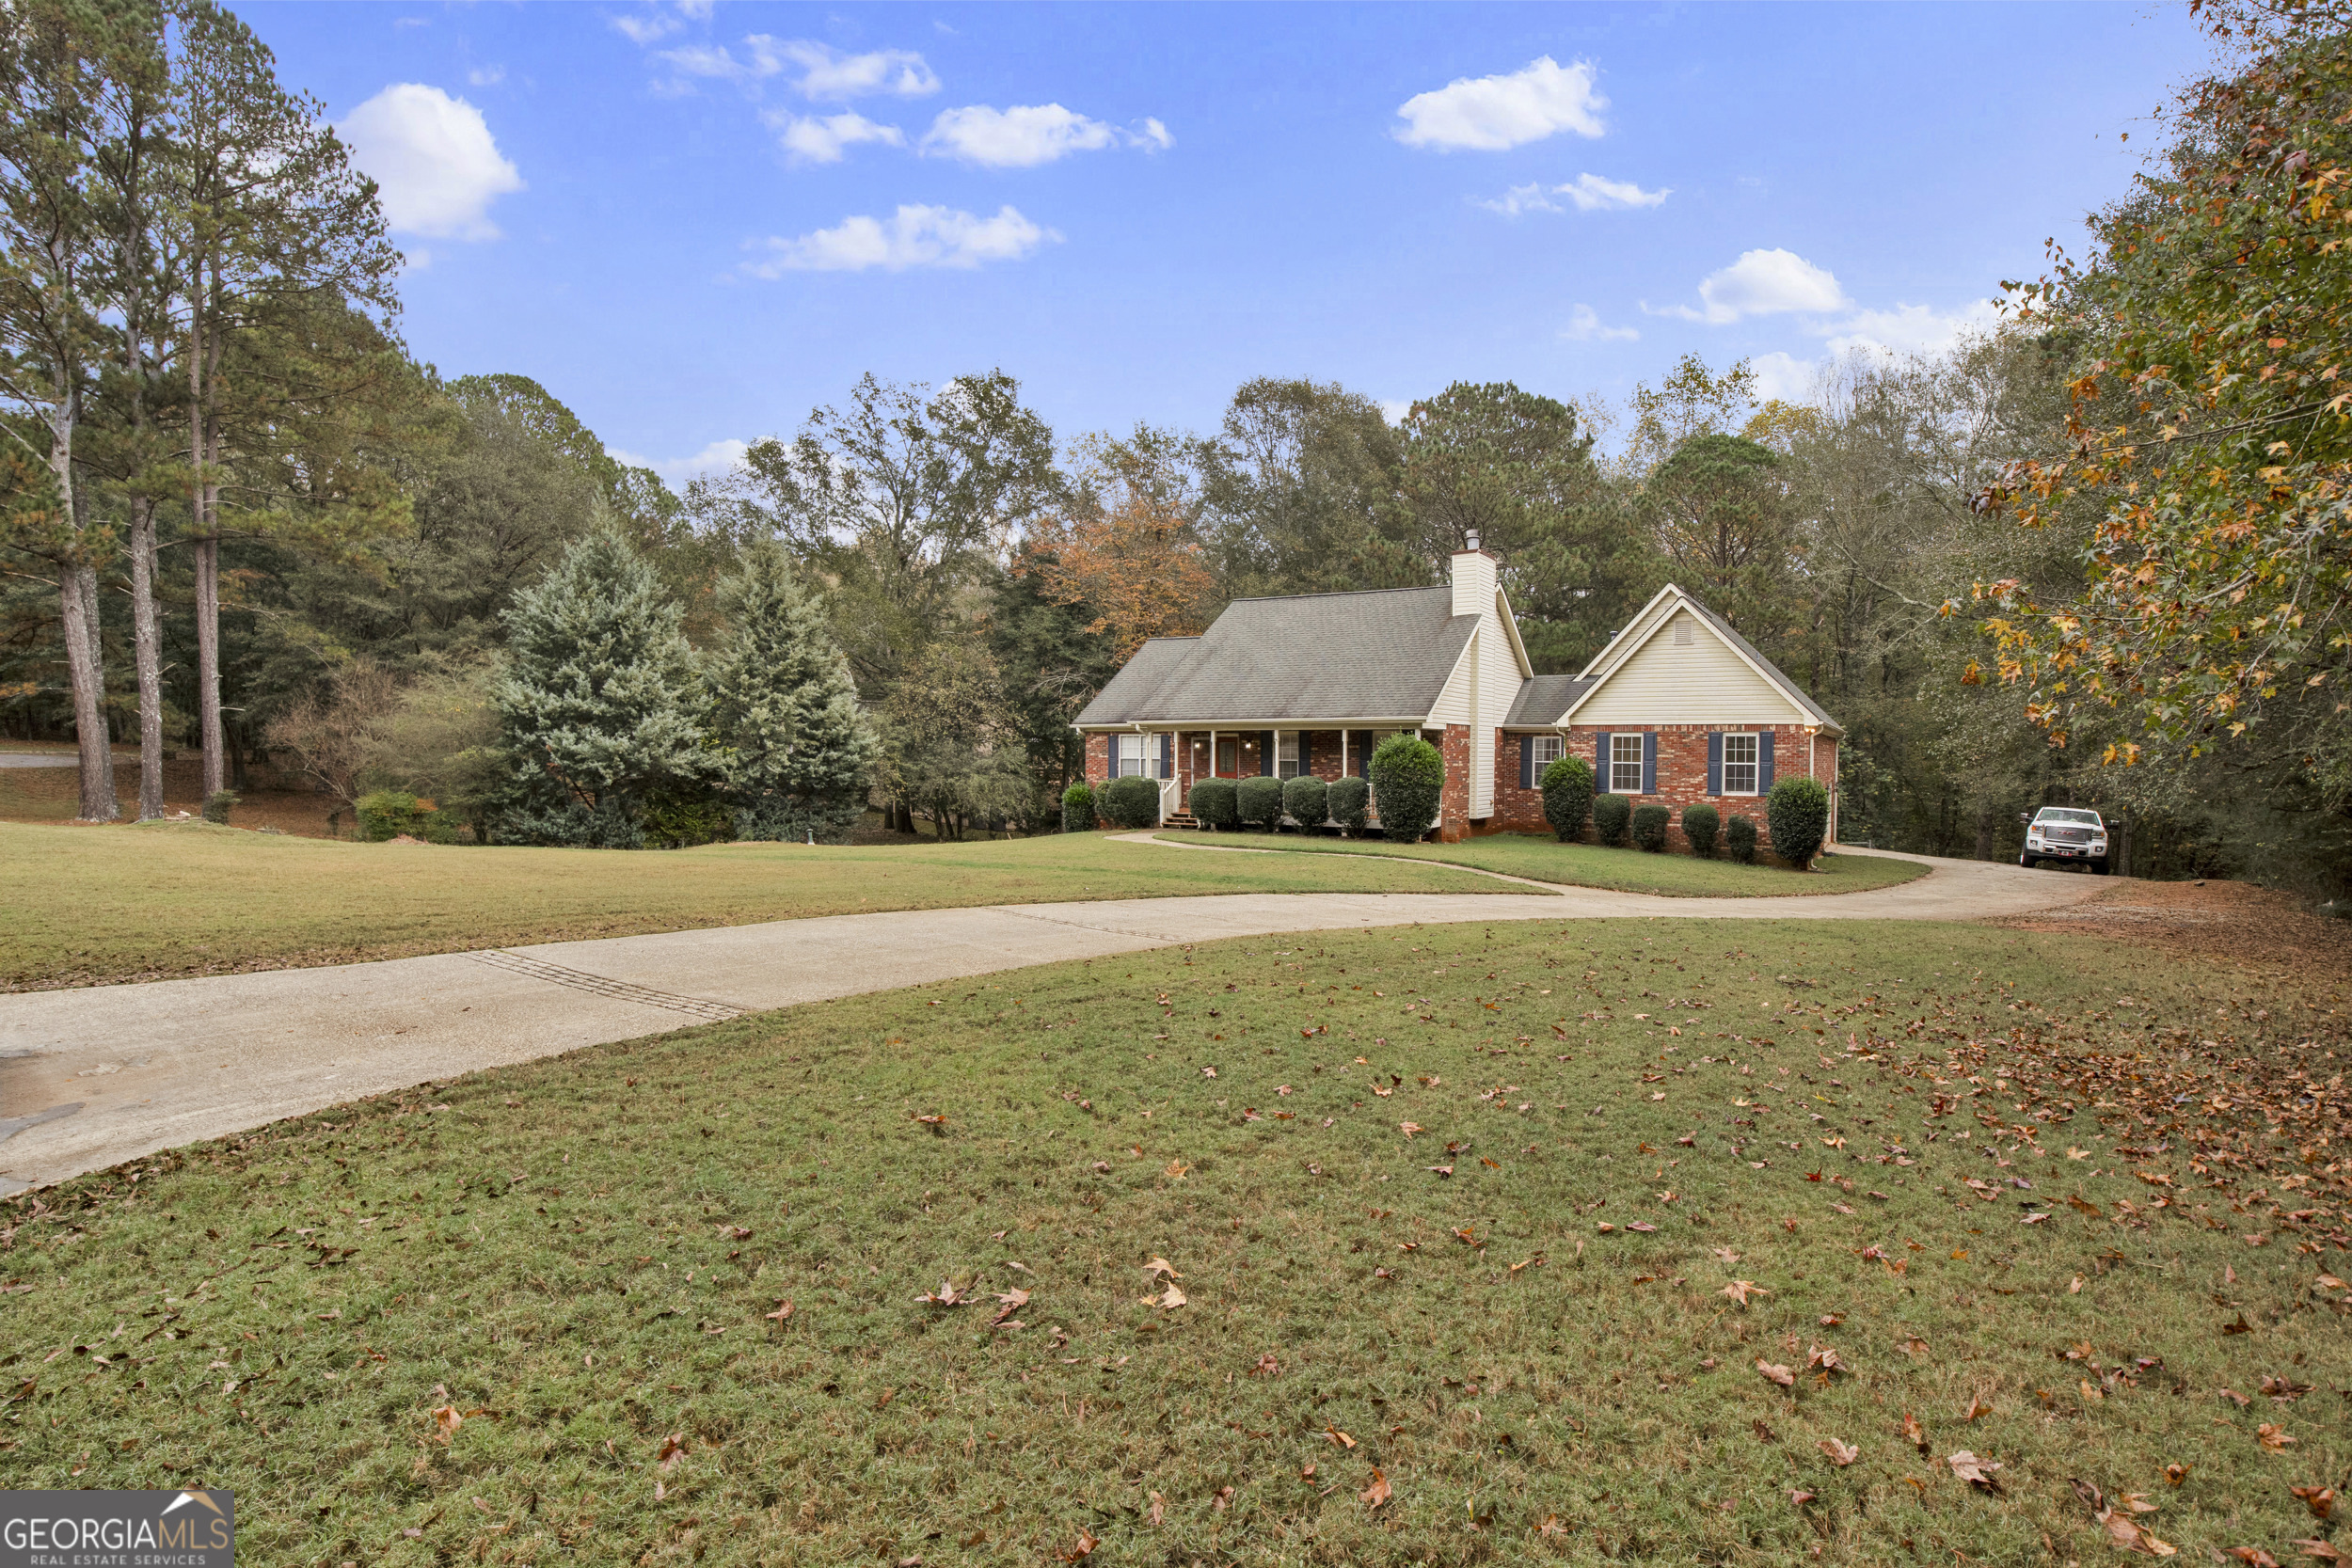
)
(1542, 699)
(1380, 655)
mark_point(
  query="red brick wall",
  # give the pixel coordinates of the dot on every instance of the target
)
(1098, 761)
(1681, 775)
(1453, 802)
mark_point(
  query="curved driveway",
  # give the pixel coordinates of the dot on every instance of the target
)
(92, 1077)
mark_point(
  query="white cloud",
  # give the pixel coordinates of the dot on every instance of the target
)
(1488, 113)
(1584, 327)
(822, 72)
(716, 458)
(642, 30)
(819, 138)
(911, 237)
(1784, 376)
(1913, 328)
(1394, 410)
(1586, 193)
(828, 73)
(435, 159)
(1763, 283)
(485, 76)
(1026, 136)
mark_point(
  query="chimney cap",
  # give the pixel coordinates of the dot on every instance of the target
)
(1472, 544)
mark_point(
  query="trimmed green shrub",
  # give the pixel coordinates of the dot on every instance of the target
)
(1701, 822)
(1306, 800)
(219, 803)
(1349, 801)
(1796, 814)
(387, 814)
(1261, 803)
(1408, 784)
(1650, 827)
(1739, 838)
(1216, 803)
(1077, 809)
(1131, 802)
(1568, 797)
(1611, 813)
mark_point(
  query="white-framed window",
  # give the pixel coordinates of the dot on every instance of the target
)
(1625, 765)
(1287, 752)
(1545, 749)
(1136, 756)
(1738, 764)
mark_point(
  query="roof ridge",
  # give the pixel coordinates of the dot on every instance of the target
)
(1334, 593)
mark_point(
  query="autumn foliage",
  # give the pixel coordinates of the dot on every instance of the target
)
(1124, 547)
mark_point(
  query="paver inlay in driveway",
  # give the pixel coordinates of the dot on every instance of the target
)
(150, 1066)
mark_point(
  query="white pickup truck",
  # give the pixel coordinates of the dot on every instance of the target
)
(2066, 833)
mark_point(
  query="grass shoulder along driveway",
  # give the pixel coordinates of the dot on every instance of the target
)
(1548, 860)
(1668, 1240)
(90, 905)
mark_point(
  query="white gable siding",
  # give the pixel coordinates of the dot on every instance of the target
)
(1704, 682)
(1452, 706)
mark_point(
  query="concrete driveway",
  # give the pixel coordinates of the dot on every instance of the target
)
(93, 1077)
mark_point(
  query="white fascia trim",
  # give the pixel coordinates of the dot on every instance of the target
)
(1511, 625)
(1802, 715)
(1634, 634)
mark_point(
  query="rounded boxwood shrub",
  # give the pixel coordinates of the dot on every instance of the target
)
(1650, 827)
(1077, 809)
(1568, 797)
(1349, 803)
(1739, 838)
(1408, 784)
(1305, 800)
(1701, 822)
(1611, 813)
(219, 803)
(1131, 802)
(1216, 804)
(1796, 814)
(1261, 803)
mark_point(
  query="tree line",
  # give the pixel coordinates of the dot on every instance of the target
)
(2097, 554)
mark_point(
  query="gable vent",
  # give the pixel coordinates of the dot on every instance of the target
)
(1685, 634)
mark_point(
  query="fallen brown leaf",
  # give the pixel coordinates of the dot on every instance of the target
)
(1086, 1544)
(2321, 1500)
(1913, 1433)
(1781, 1375)
(1379, 1492)
(2272, 1437)
(1840, 1454)
(673, 1449)
(1975, 1471)
(1740, 1289)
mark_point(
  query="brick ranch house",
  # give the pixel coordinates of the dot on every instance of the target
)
(1677, 708)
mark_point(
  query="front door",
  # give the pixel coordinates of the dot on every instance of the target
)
(1229, 759)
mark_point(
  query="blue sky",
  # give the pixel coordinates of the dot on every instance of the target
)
(693, 223)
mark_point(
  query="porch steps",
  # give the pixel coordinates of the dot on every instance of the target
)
(1180, 819)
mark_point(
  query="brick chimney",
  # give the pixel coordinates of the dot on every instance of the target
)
(1472, 575)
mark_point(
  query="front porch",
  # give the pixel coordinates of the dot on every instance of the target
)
(1180, 756)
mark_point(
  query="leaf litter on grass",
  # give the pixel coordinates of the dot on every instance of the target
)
(878, 1419)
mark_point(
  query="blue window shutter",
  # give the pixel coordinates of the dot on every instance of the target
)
(1266, 753)
(1715, 762)
(1168, 756)
(1649, 762)
(1763, 761)
(1527, 762)
(1306, 754)
(1601, 763)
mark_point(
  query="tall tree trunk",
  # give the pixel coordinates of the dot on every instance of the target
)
(1984, 833)
(208, 662)
(77, 604)
(147, 638)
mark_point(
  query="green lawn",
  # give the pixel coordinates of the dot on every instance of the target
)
(585, 1265)
(1548, 860)
(82, 905)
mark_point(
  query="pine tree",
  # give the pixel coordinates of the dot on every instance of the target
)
(799, 750)
(599, 702)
